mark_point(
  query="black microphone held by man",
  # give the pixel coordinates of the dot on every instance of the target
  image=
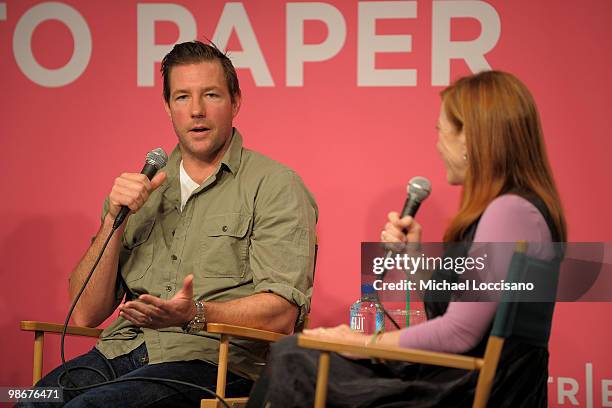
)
(155, 160)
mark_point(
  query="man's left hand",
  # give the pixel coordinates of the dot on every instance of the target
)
(155, 313)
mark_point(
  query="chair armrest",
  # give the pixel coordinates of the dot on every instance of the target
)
(30, 325)
(244, 332)
(393, 353)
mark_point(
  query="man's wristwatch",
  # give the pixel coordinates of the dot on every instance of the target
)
(199, 321)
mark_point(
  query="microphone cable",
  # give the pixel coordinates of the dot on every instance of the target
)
(114, 379)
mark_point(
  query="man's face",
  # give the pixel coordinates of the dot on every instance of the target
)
(201, 109)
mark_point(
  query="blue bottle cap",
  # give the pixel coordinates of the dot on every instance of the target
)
(367, 289)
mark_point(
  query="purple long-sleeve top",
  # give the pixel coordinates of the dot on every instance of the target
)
(509, 218)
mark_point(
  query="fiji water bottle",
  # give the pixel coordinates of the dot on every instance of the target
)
(366, 314)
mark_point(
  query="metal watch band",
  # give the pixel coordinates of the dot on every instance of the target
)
(199, 321)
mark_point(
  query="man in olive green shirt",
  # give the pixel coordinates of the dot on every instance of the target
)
(221, 234)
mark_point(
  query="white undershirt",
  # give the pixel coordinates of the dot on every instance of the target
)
(188, 186)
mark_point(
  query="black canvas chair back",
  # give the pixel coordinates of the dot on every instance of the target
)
(518, 315)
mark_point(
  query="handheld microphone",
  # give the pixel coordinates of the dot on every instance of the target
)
(155, 160)
(418, 190)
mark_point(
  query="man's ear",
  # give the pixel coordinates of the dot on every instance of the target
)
(236, 105)
(167, 108)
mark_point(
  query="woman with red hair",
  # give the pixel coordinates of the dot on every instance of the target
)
(490, 139)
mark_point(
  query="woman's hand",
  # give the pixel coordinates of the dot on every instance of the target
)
(401, 230)
(340, 334)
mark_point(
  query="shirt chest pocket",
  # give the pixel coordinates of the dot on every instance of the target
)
(225, 245)
(137, 256)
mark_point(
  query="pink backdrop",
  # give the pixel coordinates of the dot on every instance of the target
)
(67, 132)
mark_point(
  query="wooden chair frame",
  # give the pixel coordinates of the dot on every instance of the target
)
(487, 365)
(225, 331)
(42, 328)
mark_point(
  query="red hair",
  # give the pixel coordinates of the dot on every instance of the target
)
(505, 147)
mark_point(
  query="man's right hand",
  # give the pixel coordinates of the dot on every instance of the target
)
(132, 190)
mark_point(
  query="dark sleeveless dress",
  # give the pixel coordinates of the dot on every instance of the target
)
(520, 380)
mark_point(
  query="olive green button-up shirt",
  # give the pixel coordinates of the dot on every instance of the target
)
(250, 228)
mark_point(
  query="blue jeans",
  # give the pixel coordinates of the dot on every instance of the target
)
(139, 393)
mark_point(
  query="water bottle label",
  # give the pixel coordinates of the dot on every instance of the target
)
(357, 322)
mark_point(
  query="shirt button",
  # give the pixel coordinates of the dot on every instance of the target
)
(172, 233)
(224, 228)
(173, 257)
(168, 288)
